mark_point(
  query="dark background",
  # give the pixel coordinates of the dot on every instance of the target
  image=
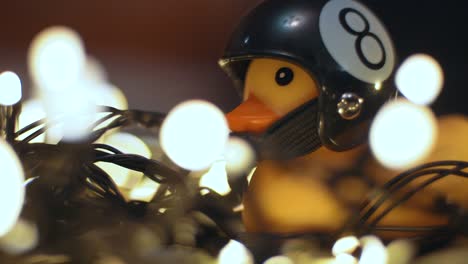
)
(163, 52)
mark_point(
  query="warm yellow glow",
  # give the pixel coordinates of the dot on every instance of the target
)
(23, 237)
(144, 191)
(11, 187)
(194, 134)
(373, 251)
(235, 253)
(400, 252)
(130, 144)
(345, 245)
(216, 178)
(402, 134)
(94, 70)
(70, 111)
(56, 58)
(31, 111)
(239, 157)
(106, 94)
(278, 260)
(420, 79)
(10, 88)
(377, 86)
(345, 258)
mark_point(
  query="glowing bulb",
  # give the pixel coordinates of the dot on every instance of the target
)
(278, 260)
(216, 178)
(235, 253)
(70, 112)
(402, 134)
(11, 188)
(127, 143)
(23, 237)
(10, 88)
(31, 111)
(56, 58)
(94, 71)
(373, 251)
(345, 258)
(106, 94)
(194, 134)
(239, 156)
(345, 245)
(420, 79)
(144, 191)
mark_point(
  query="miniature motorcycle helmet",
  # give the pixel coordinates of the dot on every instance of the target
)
(340, 43)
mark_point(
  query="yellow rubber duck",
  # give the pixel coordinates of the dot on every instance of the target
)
(292, 196)
(312, 75)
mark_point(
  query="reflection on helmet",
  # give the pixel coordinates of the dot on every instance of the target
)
(340, 43)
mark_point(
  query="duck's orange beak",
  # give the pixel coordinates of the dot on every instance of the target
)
(251, 116)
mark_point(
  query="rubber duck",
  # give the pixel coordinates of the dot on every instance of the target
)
(311, 74)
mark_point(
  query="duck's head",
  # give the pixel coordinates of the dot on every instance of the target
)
(311, 74)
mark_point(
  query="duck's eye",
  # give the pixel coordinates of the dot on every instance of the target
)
(284, 76)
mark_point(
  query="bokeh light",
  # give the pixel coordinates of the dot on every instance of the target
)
(345, 245)
(11, 187)
(235, 253)
(239, 156)
(402, 134)
(278, 260)
(23, 237)
(56, 58)
(10, 88)
(216, 178)
(194, 134)
(373, 251)
(126, 143)
(420, 79)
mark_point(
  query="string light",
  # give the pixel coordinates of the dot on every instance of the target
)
(11, 188)
(402, 134)
(373, 251)
(194, 134)
(345, 245)
(22, 238)
(216, 178)
(239, 156)
(56, 58)
(10, 88)
(420, 79)
(127, 143)
(234, 253)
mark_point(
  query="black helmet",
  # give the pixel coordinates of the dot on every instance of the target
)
(340, 43)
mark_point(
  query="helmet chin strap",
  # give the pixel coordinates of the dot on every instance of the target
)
(294, 135)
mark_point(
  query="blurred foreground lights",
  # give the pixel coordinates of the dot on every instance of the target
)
(56, 58)
(345, 245)
(279, 260)
(23, 237)
(235, 253)
(10, 88)
(70, 113)
(239, 155)
(130, 144)
(420, 79)
(11, 188)
(402, 134)
(216, 178)
(194, 134)
(373, 251)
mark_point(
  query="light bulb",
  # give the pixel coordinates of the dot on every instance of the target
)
(11, 187)
(10, 88)
(402, 134)
(56, 58)
(420, 79)
(235, 253)
(129, 144)
(239, 156)
(194, 134)
(216, 178)
(373, 251)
